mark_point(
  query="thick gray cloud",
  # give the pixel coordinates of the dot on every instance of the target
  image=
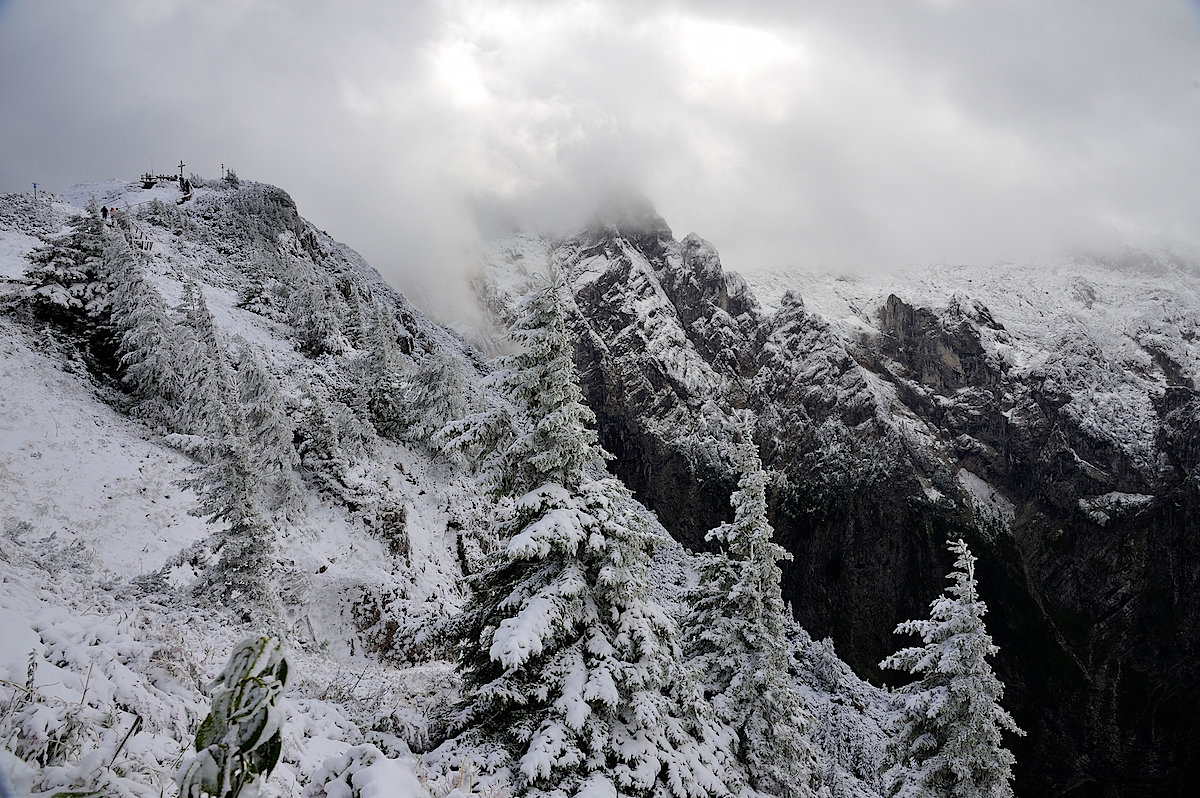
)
(838, 135)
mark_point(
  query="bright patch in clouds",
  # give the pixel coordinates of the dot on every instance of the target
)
(727, 63)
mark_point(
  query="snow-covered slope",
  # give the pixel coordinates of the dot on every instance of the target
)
(101, 548)
(111, 618)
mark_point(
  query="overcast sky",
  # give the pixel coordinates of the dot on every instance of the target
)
(813, 134)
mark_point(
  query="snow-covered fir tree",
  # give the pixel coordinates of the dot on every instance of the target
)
(540, 382)
(737, 636)
(146, 338)
(229, 491)
(320, 445)
(377, 374)
(437, 393)
(949, 724)
(226, 477)
(313, 311)
(64, 273)
(208, 399)
(270, 433)
(568, 664)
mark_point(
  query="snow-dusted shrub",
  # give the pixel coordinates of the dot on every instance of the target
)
(365, 772)
(240, 740)
(39, 729)
(162, 214)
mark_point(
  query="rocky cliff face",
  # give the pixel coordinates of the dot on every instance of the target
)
(1053, 421)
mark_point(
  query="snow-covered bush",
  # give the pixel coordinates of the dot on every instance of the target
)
(239, 741)
(40, 729)
(365, 772)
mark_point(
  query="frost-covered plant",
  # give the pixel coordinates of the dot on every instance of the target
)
(315, 314)
(270, 434)
(64, 272)
(437, 393)
(737, 636)
(365, 772)
(568, 663)
(950, 722)
(145, 336)
(39, 729)
(239, 740)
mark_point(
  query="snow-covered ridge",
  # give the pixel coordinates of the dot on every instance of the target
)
(93, 503)
(105, 575)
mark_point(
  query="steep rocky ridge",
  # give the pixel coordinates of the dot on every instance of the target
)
(1048, 414)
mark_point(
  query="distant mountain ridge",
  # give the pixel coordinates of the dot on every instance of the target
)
(1049, 413)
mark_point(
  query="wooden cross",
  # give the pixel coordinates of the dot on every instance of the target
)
(181, 170)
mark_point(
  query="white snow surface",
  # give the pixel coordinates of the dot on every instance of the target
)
(90, 501)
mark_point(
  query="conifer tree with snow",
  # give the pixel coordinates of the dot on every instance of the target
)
(208, 398)
(64, 273)
(949, 725)
(568, 664)
(438, 392)
(269, 433)
(539, 381)
(320, 446)
(380, 385)
(737, 637)
(146, 338)
(313, 310)
(227, 478)
(229, 491)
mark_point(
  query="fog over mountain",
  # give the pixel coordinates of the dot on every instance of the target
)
(821, 136)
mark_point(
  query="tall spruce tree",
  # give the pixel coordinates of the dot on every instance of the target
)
(226, 478)
(209, 402)
(269, 432)
(568, 663)
(146, 338)
(381, 388)
(314, 313)
(737, 635)
(949, 724)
